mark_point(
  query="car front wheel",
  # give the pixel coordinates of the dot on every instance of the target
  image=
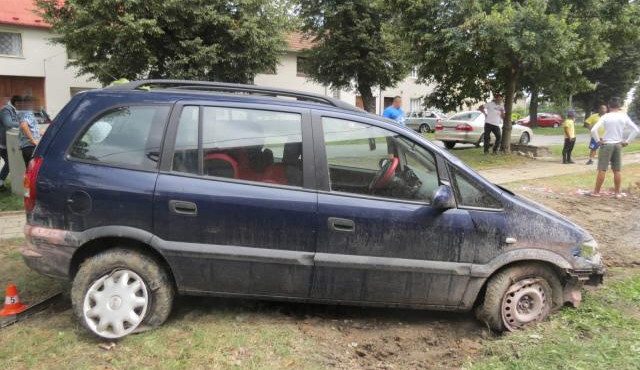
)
(120, 291)
(525, 138)
(519, 296)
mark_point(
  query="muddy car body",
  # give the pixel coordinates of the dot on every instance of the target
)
(140, 194)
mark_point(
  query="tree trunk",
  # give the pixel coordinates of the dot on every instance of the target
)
(533, 107)
(368, 100)
(508, 107)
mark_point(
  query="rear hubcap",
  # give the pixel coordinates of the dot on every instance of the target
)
(116, 304)
(524, 303)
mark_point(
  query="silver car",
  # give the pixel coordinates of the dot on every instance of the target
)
(468, 127)
(424, 122)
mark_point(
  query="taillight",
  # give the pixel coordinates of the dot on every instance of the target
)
(439, 127)
(464, 127)
(30, 178)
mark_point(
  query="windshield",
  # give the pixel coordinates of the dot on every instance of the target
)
(465, 116)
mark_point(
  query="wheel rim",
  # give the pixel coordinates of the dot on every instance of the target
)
(116, 304)
(525, 302)
(424, 128)
(524, 139)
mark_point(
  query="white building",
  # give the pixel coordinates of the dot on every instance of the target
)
(288, 75)
(31, 65)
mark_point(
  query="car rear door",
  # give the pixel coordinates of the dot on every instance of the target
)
(235, 205)
(387, 246)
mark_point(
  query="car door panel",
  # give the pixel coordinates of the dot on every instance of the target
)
(236, 236)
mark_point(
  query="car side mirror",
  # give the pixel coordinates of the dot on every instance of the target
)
(443, 198)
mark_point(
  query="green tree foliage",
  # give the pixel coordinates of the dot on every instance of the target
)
(355, 46)
(472, 47)
(217, 40)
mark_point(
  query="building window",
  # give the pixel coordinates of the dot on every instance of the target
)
(414, 72)
(300, 66)
(415, 105)
(11, 44)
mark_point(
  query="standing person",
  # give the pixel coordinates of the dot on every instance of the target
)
(8, 120)
(611, 144)
(394, 111)
(569, 127)
(591, 121)
(494, 116)
(29, 134)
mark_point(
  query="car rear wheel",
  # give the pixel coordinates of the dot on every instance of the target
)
(556, 124)
(519, 296)
(120, 291)
(449, 144)
(525, 138)
(424, 128)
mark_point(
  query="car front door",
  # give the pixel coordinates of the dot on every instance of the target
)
(235, 205)
(379, 239)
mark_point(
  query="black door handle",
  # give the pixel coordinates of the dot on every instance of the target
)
(183, 208)
(341, 224)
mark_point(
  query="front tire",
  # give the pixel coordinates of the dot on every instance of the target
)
(449, 144)
(519, 296)
(525, 138)
(120, 291)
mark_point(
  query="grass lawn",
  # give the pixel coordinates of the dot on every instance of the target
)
(558, 130)
(476, 159)
(603, 334)
(586, 180)
(581, 149)
(10, 202)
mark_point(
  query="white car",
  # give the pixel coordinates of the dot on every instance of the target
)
(468, 127)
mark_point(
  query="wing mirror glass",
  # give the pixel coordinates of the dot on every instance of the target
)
(443, 198)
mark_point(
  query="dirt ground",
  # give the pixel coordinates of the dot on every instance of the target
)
(335, 336)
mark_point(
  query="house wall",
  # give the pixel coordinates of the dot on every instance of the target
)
(40, 58)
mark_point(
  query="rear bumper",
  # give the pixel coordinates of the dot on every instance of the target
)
(47, 252)
(460, 137)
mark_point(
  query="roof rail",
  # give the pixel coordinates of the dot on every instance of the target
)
(211, 86)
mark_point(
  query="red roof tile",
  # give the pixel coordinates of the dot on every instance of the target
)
(20, 12)
(297, 41)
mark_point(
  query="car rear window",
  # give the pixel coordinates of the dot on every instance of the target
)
(126, 136)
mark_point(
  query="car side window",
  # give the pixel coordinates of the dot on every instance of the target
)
(244, 144)
(470, 193)
(126, 136)
(368, 160)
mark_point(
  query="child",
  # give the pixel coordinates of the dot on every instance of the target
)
(569, 137)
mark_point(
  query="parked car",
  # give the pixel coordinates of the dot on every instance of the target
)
(468, 127)
(544, 120)
(423, 122)
(149, 189)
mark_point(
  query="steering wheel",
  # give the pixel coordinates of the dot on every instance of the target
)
(385, 174)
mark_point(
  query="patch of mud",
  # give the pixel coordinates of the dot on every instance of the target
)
(614, 223)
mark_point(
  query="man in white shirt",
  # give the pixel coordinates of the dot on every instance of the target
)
(494, 116)
(611, 144)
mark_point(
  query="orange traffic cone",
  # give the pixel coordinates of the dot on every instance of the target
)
(12, 305)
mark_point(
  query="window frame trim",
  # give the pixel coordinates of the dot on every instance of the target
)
(322, 165)
(166, 161)
(454, 185)
(85, 126)
(16, 32)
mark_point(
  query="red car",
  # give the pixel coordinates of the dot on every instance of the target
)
(544, 120)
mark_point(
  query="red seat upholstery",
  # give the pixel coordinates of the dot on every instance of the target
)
(224, 158)
(275, 174)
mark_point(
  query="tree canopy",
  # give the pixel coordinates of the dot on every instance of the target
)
(470, 48)
(218, 40)
(355, 46)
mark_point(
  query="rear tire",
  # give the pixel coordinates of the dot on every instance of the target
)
(117, 284)
(424, 128)
(449, 144)
(520, 295)
(556, 125)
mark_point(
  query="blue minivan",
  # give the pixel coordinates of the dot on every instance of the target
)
(149, 189)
